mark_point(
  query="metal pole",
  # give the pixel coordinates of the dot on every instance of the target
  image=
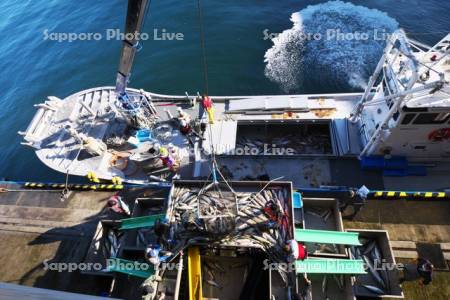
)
(135, 19)
(178, 282)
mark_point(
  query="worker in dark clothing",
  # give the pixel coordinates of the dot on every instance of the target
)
(185, 127)
(162, 230)
(184, 121)
(307, 292)
(117, 205)
(155, 255)
(305, 288)
(421, 270)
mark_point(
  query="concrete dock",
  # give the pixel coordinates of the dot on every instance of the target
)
(38, 227)
(416, 228)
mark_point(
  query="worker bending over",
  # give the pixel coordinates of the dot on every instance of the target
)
(184, 121)
(168, 160)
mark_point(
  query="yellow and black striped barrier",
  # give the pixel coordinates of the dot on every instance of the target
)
(393, 195)
(77, 187)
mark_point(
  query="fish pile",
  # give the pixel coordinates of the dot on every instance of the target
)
(144, 237)
(239, 218)
(370, 253)
(337, 278)
(111, 243)
(319, 217)
(214, 270)
(320, 214)
(115, 141)
(257, 220)
(310, 144)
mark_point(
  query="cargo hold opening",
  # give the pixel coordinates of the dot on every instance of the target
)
(284, 138)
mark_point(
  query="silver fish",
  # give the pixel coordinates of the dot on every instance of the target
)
(113, 242)
(238, 265)
(267, 196)
(217, 266)
(313, 214)
(182, 197)
(369, 247)
(353, 251)
(339, 280)
(261, 240)
(376, 254)
(209, 272)
(183, 206)
(328, 248)
(269, 238)
(363, 240)
(373, 272)
(245, 274)
(324, 286)
(140, 238)
(256, 199)
(327, 215)
(214, 284)
(373, 289)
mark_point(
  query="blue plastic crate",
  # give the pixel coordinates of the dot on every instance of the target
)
(396, 162)
(417, 171)
(395, 173)
(297, 200)
(379, 163)
(144, 135)
(372, 162)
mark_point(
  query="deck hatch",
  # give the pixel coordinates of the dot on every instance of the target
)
(284, 138)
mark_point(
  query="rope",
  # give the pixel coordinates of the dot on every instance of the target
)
(138, 44)
(147, 8)
(214, 164)
(65, 191)
(203, 47)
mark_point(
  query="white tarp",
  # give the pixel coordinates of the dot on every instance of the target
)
(223, 137)
(281, 103)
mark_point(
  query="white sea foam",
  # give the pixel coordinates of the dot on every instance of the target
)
(336, 44)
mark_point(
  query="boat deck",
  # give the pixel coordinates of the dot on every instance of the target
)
(314, 127)
(93, 113)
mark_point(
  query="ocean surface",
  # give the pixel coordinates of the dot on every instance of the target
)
(37, 59)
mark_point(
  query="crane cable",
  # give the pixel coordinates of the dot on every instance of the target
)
(214, 165)
(205, 73)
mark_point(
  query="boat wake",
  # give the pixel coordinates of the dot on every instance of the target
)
(335, 45)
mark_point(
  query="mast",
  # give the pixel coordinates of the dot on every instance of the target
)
(135, 19)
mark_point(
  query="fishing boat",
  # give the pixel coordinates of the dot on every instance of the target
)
(116, 132)
(404, 111)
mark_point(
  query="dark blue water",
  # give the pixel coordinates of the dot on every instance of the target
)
(33, 68)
